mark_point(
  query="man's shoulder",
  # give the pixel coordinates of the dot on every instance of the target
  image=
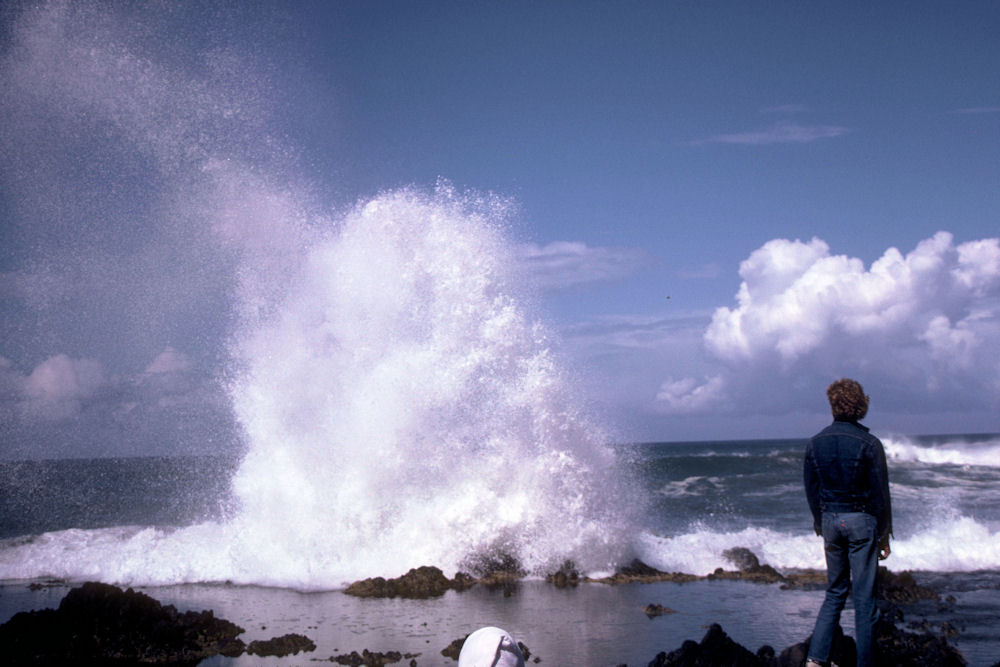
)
(842, 429)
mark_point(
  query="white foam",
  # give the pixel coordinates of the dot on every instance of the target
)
(954, 544)
(955, 452)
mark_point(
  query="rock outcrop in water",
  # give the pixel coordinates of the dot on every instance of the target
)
(639, 572)
(289, 644)
(748, 568)
(102, 624)
(419, 583)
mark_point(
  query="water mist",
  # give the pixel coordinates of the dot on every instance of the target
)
(401, 408)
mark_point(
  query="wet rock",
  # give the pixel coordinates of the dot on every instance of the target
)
(742, 558)
(844, 652)
(639, 572)
(369, 658)
(102, 623)
(567, 575)
(805, 580)
(898, 647)
(654, 610)
(497, 563)
(289, 644)
(901, 588)
(749, 568)
(453, 649)
(419, 583)
(895, 647)
(716, 648)
(463, 581)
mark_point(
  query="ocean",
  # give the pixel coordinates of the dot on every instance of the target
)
(176, 528)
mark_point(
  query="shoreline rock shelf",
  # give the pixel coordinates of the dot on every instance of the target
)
(102, 624)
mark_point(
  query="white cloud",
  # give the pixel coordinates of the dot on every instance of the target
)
(169, 361)
(926, 325)
(686, 395)
(563, 264)
(782, 133)
(58, 386)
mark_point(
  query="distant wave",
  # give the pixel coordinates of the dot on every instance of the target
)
(954, 452)
(958, 545)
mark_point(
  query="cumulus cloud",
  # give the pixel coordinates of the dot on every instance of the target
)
(782, 133)
(925, 324)
(70, 406)
(563, 264)
(57, 387)
(169, 361)
(687, 395)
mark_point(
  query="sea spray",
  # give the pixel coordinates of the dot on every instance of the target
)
(402, 409)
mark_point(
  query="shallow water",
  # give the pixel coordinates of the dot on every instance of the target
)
(592, 624)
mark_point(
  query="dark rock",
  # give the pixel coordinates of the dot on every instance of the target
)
(453, 649)
(766, 654)
(901, 588)
(749, 566)
(567, 575)
(496, 564)
(639, 572)
(101, 623)
(844, 652)
(894, 646)
(898, 647)
(463, 581)
(742, 558)
(419, 583)
(716, 648)
(525, 652)
(654, 610)
(805, 580)
(289, 644)
(368, 658)
(639, 569)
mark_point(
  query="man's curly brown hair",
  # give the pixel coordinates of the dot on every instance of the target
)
(847, 400)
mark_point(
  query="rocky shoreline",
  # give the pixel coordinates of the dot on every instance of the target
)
(102, 624)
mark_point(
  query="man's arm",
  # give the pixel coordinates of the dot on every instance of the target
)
(881, 501)
(810, 478)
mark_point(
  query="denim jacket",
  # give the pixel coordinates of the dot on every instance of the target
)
(845, 471)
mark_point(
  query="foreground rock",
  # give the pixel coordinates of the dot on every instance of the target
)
(896, 647)
(716, 648)
(102, 624)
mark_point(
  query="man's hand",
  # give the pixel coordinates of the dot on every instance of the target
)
(884, 550)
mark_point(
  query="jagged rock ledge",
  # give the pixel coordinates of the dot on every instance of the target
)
(98, 623)
(895, 647)
(429, 581)
(101, 624)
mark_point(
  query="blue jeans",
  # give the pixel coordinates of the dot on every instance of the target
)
(851, 546)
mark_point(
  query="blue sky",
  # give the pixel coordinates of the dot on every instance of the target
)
(696, 150)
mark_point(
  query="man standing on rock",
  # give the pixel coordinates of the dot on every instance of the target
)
(847, 486)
